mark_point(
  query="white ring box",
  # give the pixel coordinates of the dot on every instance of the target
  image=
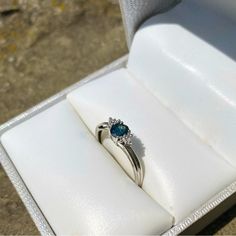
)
(175, 90)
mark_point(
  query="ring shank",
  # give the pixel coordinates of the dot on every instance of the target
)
(136, 165)
(99, 130)
(127, 149)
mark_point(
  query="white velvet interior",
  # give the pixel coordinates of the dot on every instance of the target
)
(75, 182)
(187, 58)
(181, 171)
(225, 8)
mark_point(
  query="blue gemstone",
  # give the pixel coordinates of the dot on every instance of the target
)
(118, 130)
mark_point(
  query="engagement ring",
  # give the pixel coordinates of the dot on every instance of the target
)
(121, 135)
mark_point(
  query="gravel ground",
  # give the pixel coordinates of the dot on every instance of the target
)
(46, 46)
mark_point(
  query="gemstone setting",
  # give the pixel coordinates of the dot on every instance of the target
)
(119, 132)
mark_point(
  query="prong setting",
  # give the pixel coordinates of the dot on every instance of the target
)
(119, 132)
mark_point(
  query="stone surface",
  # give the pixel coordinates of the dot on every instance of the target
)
(119, 130)
(45, 46)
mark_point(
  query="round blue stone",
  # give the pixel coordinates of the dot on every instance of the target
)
(118, 130)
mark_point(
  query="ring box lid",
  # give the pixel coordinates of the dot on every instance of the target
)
(135, 12)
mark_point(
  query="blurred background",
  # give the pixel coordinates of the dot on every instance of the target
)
(45, 46)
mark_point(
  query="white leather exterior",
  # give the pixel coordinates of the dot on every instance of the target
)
(186, 57)
(134, 12)
(181, 171)
(75, 182)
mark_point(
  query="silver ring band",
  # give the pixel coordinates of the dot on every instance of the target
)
(121, 135)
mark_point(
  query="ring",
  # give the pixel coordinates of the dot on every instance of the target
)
(121, 135)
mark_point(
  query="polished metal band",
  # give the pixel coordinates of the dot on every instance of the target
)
(106, 130)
